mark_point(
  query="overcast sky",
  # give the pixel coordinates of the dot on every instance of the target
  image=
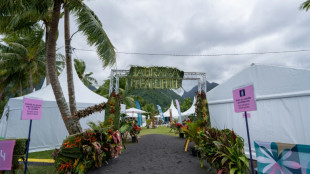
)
(198, 27)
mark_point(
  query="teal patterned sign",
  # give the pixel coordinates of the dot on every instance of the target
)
(280, 158)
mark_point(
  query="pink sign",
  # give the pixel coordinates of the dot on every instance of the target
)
(6, 154)
(32, 109)
(244, 99)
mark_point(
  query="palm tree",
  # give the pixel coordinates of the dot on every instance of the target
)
(80, 68)
(150, 108)
(88, 23)
(22, 58)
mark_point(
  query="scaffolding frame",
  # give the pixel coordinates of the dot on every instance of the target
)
(117, 74)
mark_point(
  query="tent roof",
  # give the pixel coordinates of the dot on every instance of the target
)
(175, 113)
(134, 110)
(82, 93)
(191, 110)
(265, 86)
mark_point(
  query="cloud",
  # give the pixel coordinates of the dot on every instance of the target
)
(199, 27)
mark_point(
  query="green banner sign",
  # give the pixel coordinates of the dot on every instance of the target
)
(154, 78)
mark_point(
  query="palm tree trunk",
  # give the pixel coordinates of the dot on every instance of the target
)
(47, 29)
(153, 121)
(72, 124)
(30, 81)
(69, 62)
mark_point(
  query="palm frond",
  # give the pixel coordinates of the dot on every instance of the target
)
(91, 27)
(305, 5)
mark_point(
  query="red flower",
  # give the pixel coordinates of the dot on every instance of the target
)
(179, 125)
(233, 136)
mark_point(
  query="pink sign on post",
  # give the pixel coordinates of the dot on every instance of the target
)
(6, 154)
(244, 99)
(32, 109)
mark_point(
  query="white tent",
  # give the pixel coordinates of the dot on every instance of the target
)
(175, 113)
(135, 115)
(282, 99)
(49, 132)
(191, 110)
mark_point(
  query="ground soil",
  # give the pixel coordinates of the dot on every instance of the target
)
(154, 154)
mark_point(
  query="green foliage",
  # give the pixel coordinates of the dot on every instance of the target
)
(89, 149)
(202, 108)
(148, 122)
(191, 130)
(91, 27)
(161, 97)
(80, 68)
(112, 111)
(154, 78)
(186, 104)
(305, 5)
(223, 149)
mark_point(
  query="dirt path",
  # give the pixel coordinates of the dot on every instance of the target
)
(154, 154)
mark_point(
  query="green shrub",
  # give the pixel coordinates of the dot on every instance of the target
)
(223, 150)
(89, 149)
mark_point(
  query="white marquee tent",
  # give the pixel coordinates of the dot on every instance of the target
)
(175, 113)
(282, 99)
(49, 132)
(191, 110)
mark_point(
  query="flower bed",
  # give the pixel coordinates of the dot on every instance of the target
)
(81, 152)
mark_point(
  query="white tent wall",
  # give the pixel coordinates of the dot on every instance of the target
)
(282, 99)
(49, 132)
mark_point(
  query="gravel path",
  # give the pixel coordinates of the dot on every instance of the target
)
(154, 154)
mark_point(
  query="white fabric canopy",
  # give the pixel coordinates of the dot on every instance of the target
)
(191, 110)
(135, 110)
(175, 113)
(282, 99)
(49, 132)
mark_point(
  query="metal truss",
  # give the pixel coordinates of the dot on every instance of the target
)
(199, 76)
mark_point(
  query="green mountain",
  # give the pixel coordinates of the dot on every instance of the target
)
(161, 97)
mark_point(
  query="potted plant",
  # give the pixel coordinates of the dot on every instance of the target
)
(179, 126)
(134, 131)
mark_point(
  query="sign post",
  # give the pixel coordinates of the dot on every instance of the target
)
(244, 100)
(6, 154)
(32, 110)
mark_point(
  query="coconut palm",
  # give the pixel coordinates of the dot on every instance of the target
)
(88, 23)
(23, 58)
(80, 68)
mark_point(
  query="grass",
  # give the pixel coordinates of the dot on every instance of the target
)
(159, 130)
(41, 155)
(38, 169)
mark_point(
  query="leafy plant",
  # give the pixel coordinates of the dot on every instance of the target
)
(83, 151)
(223, 149)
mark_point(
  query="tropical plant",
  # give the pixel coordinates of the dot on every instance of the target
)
(186, 104)
(22, 59)
(192, 129)
(80, 152)
(88, 23)
(127, 99)
(223, 150)
(80, 68)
